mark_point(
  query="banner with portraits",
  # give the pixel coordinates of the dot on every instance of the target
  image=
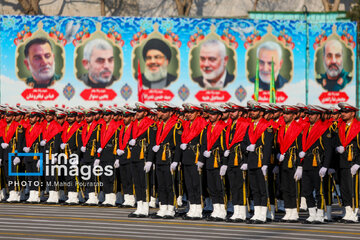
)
(91, 60)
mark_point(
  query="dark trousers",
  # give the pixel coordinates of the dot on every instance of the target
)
(139, 175)
(108, 181)
(126, 178)
(165, 184)
(257, 186)
(34, 182)
(192, 182)
(237, 185)
(288, 187)
(349, 186)
(310, 182)
(215, 186)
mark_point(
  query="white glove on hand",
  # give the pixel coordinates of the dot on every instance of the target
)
(244, 167)
(354, 169)
(16, 161)
(147, 167)
(53, 160)
(179, 201)
(276, 170)
(116, 163)
(38, 164)
(207, 154)
(4, 145)
(96, 162)
(331, 171)
(281, 157)
(226, 153)
(156, 148)
(223, 170)
(264, 170)
(322, 171)
(250, 148)
(62, 146)
(120, 152)
(83, 149)
(0, 162)
(26, 149)
(199, 165)
(99, 150)
(173, 166)
(43, 143)
(298, 173)
(132, 142)
(183, 146)
(340, 149)
(301, 154)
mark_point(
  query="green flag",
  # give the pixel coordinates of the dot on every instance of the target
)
(272, 98)
(256, 87)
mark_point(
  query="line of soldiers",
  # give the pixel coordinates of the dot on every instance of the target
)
(258, 155)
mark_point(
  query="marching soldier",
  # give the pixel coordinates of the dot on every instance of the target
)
(142, 140)
(167, 156)
(258, 144)
(349, 162)
(191, 137)
(315, 160)
(234, 159)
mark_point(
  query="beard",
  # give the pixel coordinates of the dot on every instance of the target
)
(156, 76)
(266, 76)
(44, 74)
(333, 70)
(99, 79)
(214, 74)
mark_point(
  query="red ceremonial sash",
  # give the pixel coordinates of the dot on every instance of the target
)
(190, 131)
(286, 139)
(308, 139)
(162, 133)
(32, 133)
(25, 123)
(106, 134)
(241, 126)
(50, 131)
(261, 126)
(124, 135)
(213, 133)
(85, 134)
(352, 132)
(66, 135)
(139, 127)
(7, 136)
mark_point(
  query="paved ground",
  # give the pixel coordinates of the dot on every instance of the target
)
(25, 221)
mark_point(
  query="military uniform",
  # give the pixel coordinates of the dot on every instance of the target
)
(334, 85)
(34, 84)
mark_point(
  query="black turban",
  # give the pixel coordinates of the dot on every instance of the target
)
(159, 45)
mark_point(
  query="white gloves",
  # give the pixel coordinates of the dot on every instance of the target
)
(96, 162)
(38, 164)
(250, 148)
(83, 149)
(62, 146)
(199, 165)
(276, 170)
(264, 170)
(43, 143)
(340, 149)
(147, 167)
(99, 150)
(0, 162)
(301, 154)
(53, 160)
(179, 201)
(26, 149)
(226, 153)
(4, 145)
(132, 142)
(16, 161)
(354, 169)
(156, 148)
(207, 154)
(281, 157)
(223, 170)
(116, 163)
(244, 167)
(298, 173)
(183, 146)
(173, 166)
(331, 171)
(120, 152)
(322, 171)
